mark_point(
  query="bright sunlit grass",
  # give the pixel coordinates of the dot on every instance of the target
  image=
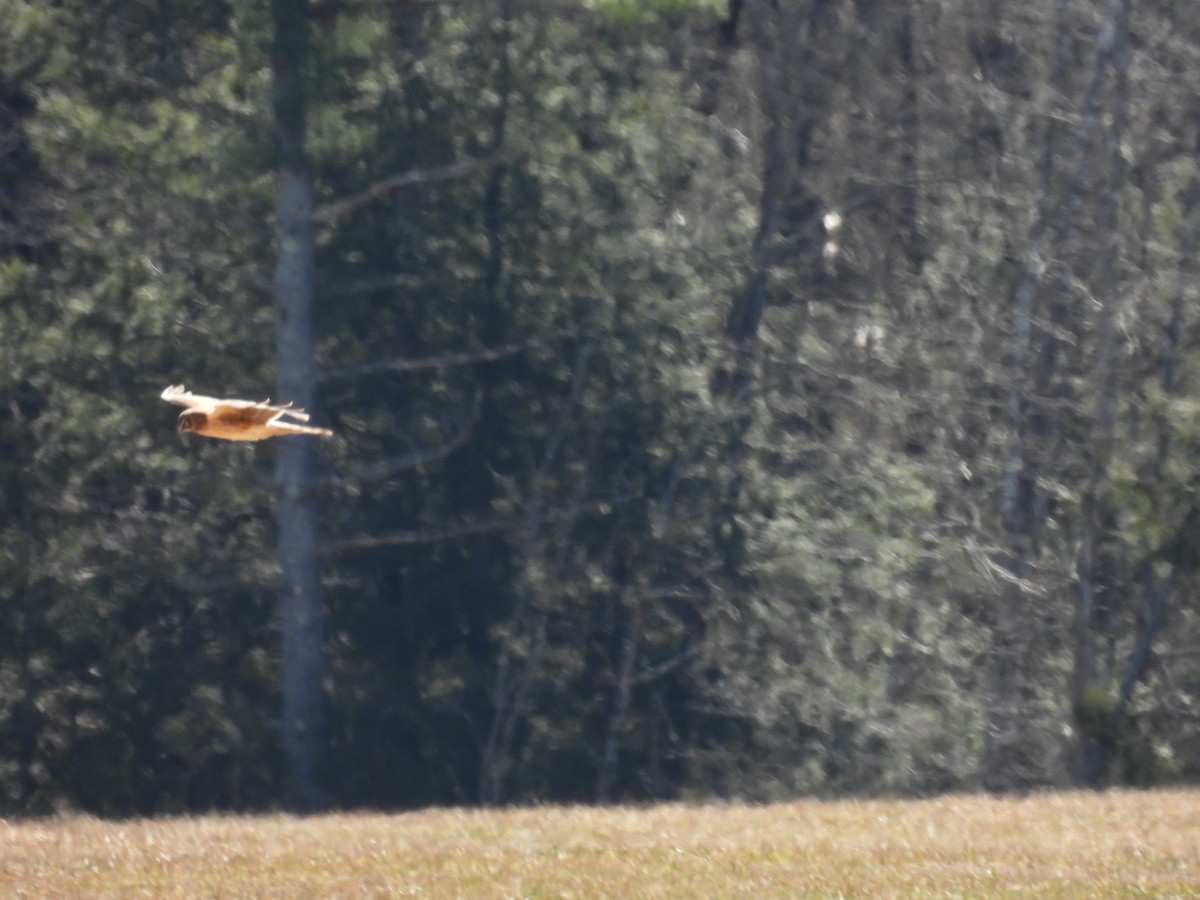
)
(1058, 845)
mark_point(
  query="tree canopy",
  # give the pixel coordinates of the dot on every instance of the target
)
(731, 399)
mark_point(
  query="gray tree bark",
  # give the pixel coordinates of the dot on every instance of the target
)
(296, 509)
(1089, 681)
(1041, 312)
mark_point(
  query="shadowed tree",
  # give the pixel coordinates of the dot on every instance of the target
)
(297, 513)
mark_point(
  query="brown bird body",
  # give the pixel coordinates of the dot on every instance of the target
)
(237, 420)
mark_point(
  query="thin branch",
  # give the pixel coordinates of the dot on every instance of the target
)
(437, 361)
(331, 211)
(448, 359)
(370, 285)
(421, 535)
(486, 526)
(389, 467)
(652, 673)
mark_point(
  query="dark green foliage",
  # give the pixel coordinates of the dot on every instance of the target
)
(738, 399)
(137, 616)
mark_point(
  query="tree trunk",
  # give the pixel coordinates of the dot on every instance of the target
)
(300, 594)
(606, 778)
(1042, 310)
(1090, 695)
(734, 381)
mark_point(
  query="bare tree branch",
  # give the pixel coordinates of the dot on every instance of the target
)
(331, 211)
(421, 535)
(369, 285)
(436, 361)
(389, 467)
(448, 359)
(484, 526)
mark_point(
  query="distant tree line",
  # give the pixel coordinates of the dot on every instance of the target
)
(732, 399)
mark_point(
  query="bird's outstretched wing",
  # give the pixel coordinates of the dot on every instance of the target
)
(279, 428)
(237, 420)
(180, 395)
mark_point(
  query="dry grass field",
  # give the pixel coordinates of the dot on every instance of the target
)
(1056, 845)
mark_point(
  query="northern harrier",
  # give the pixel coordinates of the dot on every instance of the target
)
(237, 420)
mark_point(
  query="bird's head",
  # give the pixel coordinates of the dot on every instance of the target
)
(191, 420)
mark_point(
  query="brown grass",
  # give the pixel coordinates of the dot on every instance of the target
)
(1057, 845)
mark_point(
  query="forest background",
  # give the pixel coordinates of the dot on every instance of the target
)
(732, 399)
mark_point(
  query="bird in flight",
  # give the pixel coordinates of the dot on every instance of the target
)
(237, 420)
